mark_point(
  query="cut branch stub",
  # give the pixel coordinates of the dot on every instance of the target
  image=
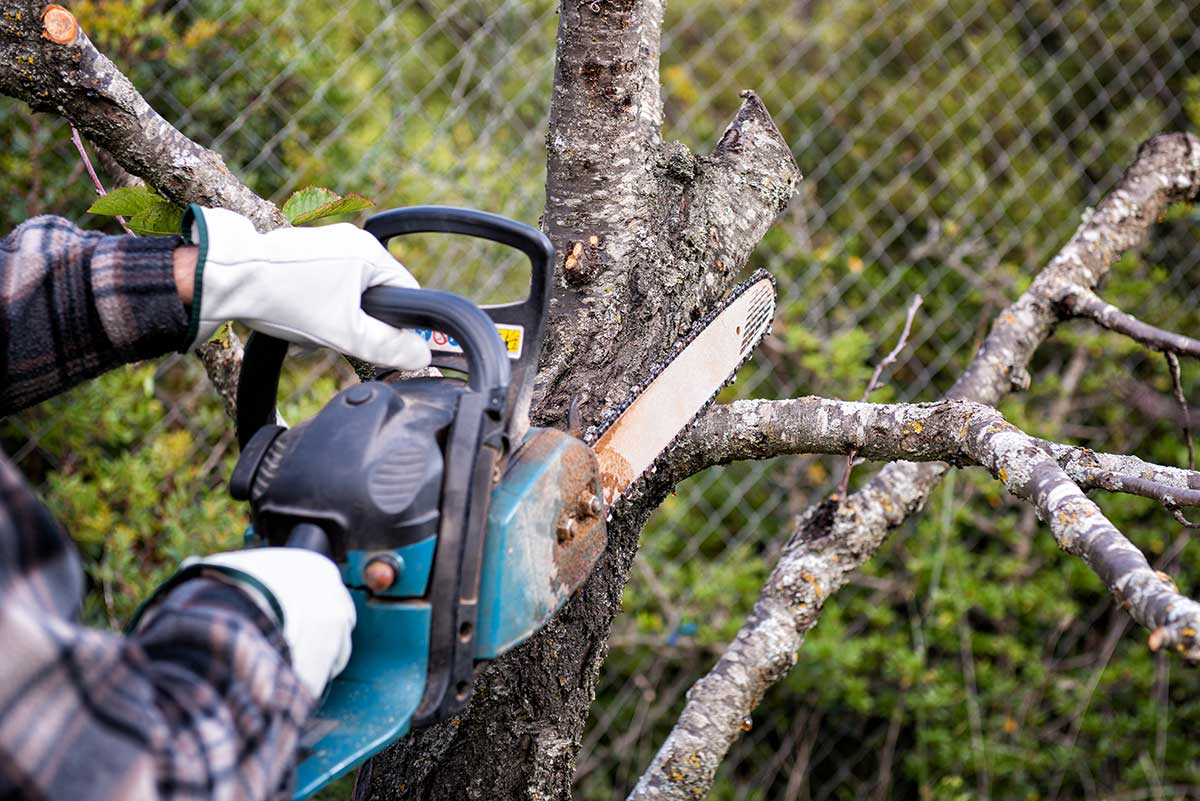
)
(59, 25)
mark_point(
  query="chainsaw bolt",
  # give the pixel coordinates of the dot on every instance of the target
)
(594, 505)
(566, 530)
(381, 572)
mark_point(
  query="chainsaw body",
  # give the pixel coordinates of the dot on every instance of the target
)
(458, 529)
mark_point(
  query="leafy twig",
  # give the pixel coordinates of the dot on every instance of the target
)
(873, 384)
(87, 162)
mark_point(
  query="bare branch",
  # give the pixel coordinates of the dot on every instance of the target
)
(874, 382)
(1084, 464)
(1171, 499)
(1080, 302)
(62, 72)
(831, 538)
(834, 539)
(1181, 399)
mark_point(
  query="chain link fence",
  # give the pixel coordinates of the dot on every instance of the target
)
(949, 148)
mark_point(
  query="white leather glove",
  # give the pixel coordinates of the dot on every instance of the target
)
(304, 285)
(304, 588)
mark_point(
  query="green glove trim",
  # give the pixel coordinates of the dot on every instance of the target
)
(198, 571)
(195, 214)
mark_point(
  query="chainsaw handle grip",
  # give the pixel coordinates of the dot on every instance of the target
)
(489, 373)
(310, 537)
(480, 224)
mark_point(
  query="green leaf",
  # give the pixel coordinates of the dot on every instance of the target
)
(126, 201)
(159, 219)
(307, 200)
(314, 202)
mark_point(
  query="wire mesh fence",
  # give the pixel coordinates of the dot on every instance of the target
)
(949, 147)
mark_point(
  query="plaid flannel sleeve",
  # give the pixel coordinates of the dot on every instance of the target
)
(76, 303)
(198, 703)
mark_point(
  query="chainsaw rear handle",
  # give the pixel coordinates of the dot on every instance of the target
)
(489, 373)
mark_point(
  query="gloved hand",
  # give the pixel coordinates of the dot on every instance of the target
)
(303, 591)
(304, 285)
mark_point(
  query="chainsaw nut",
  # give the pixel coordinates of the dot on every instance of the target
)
(566, 529)
(381, 572)
(594, 505)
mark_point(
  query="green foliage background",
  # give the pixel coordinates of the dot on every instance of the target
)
(949, 148)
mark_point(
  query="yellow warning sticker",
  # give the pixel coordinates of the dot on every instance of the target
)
(513, 337)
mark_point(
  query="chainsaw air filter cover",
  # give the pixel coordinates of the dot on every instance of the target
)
(377, 453)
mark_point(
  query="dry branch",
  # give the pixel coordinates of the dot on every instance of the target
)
(1080, 302)
(833, 539)
(971, 434)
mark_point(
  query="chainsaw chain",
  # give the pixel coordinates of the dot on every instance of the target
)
(593, 433)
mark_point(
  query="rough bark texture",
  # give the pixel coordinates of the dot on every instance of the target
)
(834, 538)
(648, 234)
(649, 237)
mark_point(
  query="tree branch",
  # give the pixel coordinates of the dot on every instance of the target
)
(833, 539)
(47, 61)
(1083, 303)
(970, 434)
(67, 75)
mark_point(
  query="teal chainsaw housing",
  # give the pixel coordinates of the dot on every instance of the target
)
(527, 575)
(457, 528)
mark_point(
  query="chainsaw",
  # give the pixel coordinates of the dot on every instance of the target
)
(458, 528)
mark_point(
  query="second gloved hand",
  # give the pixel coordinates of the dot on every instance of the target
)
(302, 590)
(304, 285)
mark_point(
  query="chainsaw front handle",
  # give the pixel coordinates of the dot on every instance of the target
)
(480, 224)
(529, 315)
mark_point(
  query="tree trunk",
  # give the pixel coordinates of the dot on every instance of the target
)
(649, 237)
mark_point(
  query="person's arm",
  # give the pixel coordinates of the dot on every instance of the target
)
(200, 701)
(75, 303)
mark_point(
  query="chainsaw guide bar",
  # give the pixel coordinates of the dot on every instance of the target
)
(636, 435)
